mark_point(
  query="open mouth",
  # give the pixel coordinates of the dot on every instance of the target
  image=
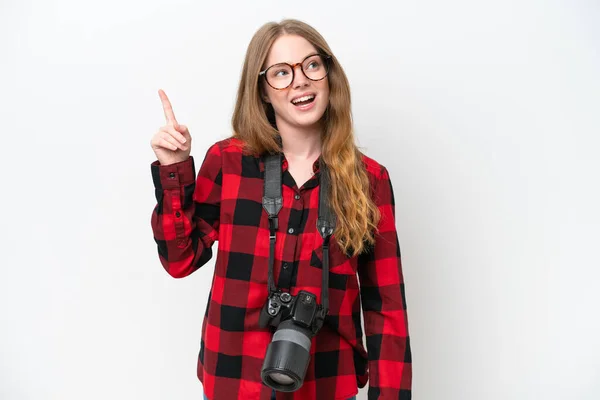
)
(304, 100)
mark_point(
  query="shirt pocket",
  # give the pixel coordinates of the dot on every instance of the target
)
(343, 282)
(339, 262)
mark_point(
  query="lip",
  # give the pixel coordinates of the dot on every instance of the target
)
(305, 107)
(302, 95)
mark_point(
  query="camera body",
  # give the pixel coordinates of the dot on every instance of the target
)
(301, 309)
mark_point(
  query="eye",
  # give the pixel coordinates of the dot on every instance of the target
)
(279, 72)
(313, 63)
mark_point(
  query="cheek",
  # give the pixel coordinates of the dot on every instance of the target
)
(324, 90)
(278, 99)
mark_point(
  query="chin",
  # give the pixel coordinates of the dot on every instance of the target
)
(307, 122)
(309, 119)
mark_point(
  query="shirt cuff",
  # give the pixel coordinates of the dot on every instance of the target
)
(173, 176)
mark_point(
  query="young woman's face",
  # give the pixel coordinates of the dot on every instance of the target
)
(293, 49)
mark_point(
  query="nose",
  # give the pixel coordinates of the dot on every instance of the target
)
(299, 78)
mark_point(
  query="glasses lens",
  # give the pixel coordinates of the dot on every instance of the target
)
(314, 67)
(279, 76)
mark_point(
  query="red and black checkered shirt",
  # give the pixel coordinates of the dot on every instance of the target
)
(224, 203)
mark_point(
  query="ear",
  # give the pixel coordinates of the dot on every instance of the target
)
(263, 93)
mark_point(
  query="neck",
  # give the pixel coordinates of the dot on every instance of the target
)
(301, 143)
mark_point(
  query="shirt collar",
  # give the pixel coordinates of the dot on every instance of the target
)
(315, 166)
(284, 164)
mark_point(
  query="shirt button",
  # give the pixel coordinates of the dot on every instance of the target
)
(297, 197)
(172, 175)
(291, 230)
(178, 214)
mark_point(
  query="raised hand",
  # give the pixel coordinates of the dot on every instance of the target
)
(172, 143)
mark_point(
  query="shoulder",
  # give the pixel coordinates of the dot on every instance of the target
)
(375, 170)
(230, 144)
(380, 183)
(379, 179)
(225, 148)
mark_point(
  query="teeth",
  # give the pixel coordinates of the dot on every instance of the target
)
(299, 99)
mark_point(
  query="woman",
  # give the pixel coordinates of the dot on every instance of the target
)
(293, 100)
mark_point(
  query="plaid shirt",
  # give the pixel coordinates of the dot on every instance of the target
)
(224, 203)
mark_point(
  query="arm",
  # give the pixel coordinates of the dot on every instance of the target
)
(185, 221)
(384, 305)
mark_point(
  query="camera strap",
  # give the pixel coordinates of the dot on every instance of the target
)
(272, 203)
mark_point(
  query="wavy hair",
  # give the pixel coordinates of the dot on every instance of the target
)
(253, 123)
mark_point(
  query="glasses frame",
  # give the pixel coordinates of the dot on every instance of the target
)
(326, 58)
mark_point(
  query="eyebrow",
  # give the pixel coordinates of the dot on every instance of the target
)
(303, 58)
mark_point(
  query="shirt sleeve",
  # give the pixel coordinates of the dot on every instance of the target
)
(185, 220)
(384, 304)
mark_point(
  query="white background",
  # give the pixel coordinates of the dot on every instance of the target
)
(484, 112)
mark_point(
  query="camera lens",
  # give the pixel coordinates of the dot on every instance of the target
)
(281, 378)
(287, 357)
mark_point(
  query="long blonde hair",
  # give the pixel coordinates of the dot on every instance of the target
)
(253, 123)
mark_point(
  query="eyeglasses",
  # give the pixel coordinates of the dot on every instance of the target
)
(280, 76)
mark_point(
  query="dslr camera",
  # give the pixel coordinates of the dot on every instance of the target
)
(297, 319)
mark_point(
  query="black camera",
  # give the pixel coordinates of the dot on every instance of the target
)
(297, 319)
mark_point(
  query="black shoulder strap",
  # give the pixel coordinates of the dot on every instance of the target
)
(326, 220)
(325, 225)
(272, 203)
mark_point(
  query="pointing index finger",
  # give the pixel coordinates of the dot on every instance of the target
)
(167, 108)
